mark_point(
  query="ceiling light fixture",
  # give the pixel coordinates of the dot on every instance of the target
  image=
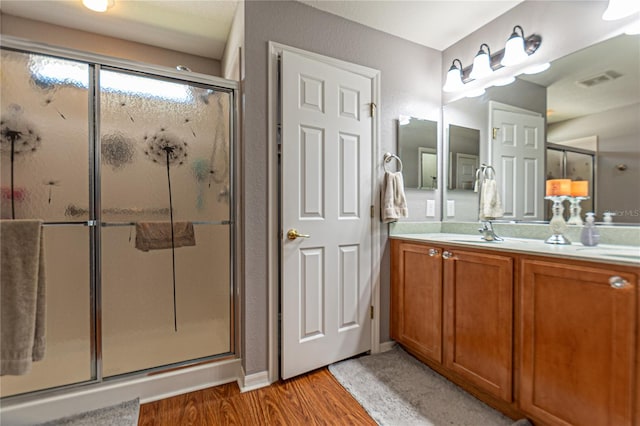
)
(454, 78)
(618, 9)
(98, 5)
(481, 63)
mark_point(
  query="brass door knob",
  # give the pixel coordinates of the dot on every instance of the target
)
(292, 234)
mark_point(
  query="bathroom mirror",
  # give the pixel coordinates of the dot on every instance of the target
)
(589, 102)
(417, 147)
(464, 156)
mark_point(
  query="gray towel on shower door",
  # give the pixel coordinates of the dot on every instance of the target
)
(157, 235)
(22, 285)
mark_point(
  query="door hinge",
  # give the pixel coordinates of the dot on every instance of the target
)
(494, 132)
(371, 312)
(372, 109)
(372, 212)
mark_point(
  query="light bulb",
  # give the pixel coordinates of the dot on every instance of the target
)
(98, 5)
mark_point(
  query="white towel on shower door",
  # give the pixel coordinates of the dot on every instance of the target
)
(490, 205)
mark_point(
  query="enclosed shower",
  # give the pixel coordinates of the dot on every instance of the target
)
(130, 169)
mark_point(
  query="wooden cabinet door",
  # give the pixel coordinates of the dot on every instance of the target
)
(577, 344)
(416, 298)
(478, 320)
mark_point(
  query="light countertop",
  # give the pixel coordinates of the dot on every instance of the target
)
(608, 253)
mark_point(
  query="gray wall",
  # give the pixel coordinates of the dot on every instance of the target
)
(411, 82)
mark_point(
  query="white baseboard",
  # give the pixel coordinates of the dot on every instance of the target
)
(253, 381)
(92, 397)
(387, 346)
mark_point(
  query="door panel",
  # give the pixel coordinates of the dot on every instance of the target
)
(478, 318)
(416, 298)
(326, 187)
(577, 344)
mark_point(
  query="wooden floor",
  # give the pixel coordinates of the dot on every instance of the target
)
(315, 398)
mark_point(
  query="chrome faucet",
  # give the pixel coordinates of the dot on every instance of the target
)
(488, 234)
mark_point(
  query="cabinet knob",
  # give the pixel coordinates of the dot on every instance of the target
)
(618, 282)
(433, 252)
(447, 255)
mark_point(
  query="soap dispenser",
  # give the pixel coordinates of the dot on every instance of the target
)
(590, 235)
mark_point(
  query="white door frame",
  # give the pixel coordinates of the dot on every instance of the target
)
(273, 211)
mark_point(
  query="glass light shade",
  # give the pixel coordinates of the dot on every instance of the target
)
(514, 53)
(454, 80)
(618, 9)
(481, 67)
(98, 5)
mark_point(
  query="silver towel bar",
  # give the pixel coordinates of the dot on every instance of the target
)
(387, 159)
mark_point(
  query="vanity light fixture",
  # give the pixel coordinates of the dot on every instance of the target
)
(481, 63)
(514, 50)
(454, 78)
(618, 9)
(517, 49)
(98, 5)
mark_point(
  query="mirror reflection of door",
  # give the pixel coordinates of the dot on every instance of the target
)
(466, 166)
(428, 168)
(464, 156)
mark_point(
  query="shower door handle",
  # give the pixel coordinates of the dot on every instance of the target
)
(292, 234)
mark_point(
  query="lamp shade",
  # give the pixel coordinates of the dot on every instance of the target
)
(514, 53)
(454, 78)
(481, 64)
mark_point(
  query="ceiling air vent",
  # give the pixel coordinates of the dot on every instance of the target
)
(599, 79)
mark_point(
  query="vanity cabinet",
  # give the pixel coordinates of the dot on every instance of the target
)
(578, 343)
(454, 307)
(553, 340)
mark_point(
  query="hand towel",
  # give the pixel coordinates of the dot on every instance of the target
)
(394, 202)
(22, 278)
(157, 235)
(490, 205)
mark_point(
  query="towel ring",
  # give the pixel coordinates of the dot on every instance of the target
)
(387, 159)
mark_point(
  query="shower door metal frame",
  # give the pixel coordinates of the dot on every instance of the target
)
(96, 62)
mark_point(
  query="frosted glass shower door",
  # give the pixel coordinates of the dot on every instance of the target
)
(164, 156)
(44, 155)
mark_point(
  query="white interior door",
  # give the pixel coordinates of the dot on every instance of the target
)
(518, 154)
(326, 194)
